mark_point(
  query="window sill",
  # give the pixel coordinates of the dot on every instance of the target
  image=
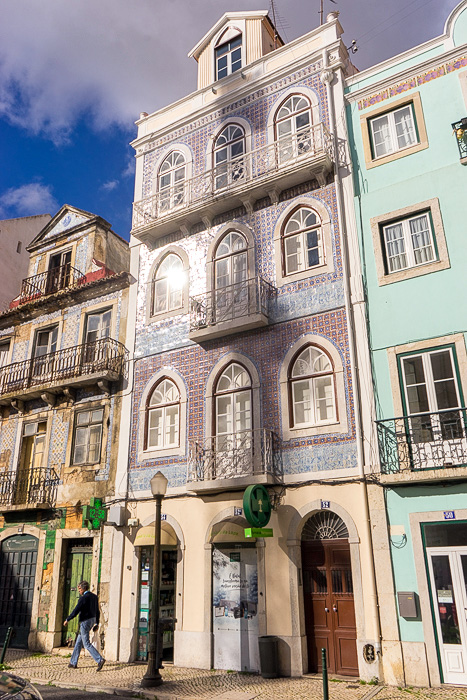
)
(157, 454)
(313, 430)
(410, 272)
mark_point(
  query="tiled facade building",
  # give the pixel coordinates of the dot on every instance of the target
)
(63, 368)
(244, 372)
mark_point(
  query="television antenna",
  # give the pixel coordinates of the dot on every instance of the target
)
(321, 10)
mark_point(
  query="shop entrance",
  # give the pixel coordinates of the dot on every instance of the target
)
(447, 566)
(235, 607)
(167, 599)
(78, 568)
(18, 560)
(328, 594)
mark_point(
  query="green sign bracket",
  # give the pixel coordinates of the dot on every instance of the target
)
(257, 505)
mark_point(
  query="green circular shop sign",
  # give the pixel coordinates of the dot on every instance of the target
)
(257, 505)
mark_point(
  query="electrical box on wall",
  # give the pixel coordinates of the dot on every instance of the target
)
(116, 515)
(408, 606)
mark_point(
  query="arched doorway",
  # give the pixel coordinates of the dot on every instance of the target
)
(18, 561)
(328, 594)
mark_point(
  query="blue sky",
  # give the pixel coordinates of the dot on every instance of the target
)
(75, 74)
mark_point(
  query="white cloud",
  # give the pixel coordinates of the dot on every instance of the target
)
(27, 200)
(106, 61)
(109, 186)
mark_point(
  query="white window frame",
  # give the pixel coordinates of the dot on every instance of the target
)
(409, 247)
(88, 426)
(233, 167)
(169, 308)
(173, 194)
(228, 54)
(301, 234)
(312, 380)
(232, 394)
(394, 146)
(163, 409)
(441, 258)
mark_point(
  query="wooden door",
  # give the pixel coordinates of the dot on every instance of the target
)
(329, 606)
(79, 564)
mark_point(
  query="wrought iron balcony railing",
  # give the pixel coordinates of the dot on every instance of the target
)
(27, 487)
(238, 174)
(424, 441)
(99, 357)
(55, 280)
(460, 130)
(248, 453)
(232, 303)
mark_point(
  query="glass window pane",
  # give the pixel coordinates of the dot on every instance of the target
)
(405, 129)
(441, 365)
(97, 415)
(446, 394)
(301, 402)
(445, 601)
(155, 428)
(82, 418)
(381, 136)
(324, 397)
(293, 257)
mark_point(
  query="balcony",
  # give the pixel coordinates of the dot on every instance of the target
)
(28, 489)
(460, 130)
(424, 446)
(227, 462)
(77, 366)
(55, 280)
(297, 158)
(237, 307)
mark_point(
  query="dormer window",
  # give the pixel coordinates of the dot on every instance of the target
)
(228, 53)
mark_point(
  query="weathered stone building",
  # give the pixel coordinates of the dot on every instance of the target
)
(60, 395)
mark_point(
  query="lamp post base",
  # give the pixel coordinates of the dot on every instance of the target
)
(151, 680)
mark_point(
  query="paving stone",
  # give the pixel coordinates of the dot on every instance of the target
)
(197, 684)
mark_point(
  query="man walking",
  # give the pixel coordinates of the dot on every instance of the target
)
(88, 609)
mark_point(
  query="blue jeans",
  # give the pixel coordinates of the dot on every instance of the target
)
(82, 640)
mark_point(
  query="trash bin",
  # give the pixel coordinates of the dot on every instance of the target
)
(268, 656)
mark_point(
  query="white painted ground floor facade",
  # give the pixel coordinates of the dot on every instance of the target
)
(311, 584)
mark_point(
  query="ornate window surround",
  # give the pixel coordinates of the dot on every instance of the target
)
(219, 367)
(339, 425)
(282, 97)
(184, 308)
(326, 233)
(251, 252)
(152, 453)
(184, 150)
(237, 121)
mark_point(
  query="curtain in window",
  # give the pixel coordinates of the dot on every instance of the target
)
(404, 127)
(395, 246)
(421, 239)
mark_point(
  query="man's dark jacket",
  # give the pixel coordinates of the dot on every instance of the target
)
(87, 607)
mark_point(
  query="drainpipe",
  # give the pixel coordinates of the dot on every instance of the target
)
(327, 76)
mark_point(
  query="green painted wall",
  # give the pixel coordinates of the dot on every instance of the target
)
(400, 503)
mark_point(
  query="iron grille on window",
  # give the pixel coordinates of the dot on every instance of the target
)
(229, 303)
(29, 486)
(245, 453)
(104, 355)
(54, 280)
(423, 441)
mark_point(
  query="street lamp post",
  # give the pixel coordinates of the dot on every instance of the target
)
(152, 677)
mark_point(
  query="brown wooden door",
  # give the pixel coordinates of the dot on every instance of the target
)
(329, 606)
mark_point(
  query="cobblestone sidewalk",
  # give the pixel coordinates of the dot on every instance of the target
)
(191, 684)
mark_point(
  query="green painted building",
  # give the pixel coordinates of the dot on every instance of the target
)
(408, 142)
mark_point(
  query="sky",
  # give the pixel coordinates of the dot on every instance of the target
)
(75, 75)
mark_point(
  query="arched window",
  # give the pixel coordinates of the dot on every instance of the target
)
(293, 128)
(233, 414)
(302, 241)
(229, 156)
(171, 181)
(312, 388)
(163, 416)
(228, 53)
(168, 285)
(230, 277)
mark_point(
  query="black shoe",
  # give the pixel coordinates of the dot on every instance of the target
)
(100, 664)
(71, 666)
